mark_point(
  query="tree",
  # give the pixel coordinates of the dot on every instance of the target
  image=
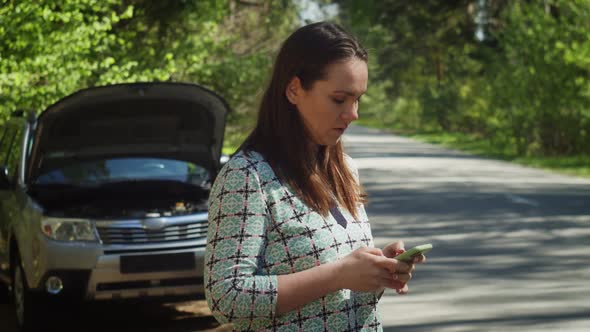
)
(541, 79)
(49, 49)
(524, 86)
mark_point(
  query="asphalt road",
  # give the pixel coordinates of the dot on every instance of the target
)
(511, 243)
(511, 246)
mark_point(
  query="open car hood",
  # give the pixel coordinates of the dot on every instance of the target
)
(164, 120)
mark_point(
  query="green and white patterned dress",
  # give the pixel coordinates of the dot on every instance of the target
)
(259, 229)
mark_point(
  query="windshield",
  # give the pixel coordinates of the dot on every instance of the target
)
(125, 169)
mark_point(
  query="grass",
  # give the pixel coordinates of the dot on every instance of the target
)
(571, 165)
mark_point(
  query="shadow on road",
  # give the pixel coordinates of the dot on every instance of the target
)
(7, 318)
(495, 324)
(510, 242)
(146, 316)
(483, 232)
(129, 316)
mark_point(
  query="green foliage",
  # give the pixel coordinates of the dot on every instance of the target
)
(578, 165)
(46, 49)
(538, 82)
(525, 89)
(49, 49)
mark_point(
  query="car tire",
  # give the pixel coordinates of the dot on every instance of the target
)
(27, 304)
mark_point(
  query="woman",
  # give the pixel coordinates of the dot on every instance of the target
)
(289, 243)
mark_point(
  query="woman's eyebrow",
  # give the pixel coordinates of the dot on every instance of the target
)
(347, 92)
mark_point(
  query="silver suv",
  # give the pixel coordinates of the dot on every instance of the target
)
(104, 196)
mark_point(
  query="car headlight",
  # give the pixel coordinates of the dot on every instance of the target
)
(68, 229)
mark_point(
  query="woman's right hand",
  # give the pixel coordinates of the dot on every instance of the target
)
(368, 270)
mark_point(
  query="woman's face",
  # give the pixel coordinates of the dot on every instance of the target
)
(332, 103)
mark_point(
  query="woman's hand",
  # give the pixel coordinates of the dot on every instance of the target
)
(363, 270)
(368, 270)
(401, 282)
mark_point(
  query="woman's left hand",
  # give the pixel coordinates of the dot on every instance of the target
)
(394, 249)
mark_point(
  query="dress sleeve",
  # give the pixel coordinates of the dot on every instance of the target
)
(236, 288)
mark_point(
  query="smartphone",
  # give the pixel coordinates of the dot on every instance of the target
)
(407, 255)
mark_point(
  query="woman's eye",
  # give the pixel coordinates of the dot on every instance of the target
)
(338, 101)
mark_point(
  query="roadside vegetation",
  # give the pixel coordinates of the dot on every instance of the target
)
(507, 79)
(577, 165)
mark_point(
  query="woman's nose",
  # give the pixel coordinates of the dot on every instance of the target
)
(351, 113)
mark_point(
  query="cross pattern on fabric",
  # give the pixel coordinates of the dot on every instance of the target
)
(259, 229)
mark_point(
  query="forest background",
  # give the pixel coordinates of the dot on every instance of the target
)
(508, 79)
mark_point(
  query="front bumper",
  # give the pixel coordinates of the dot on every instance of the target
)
(107, 281)
(100, 277)
(95, 271)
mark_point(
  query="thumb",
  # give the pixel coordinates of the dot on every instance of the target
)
(394, 249)
(399, 247)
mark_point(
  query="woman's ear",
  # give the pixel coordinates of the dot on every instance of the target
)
(293, 91)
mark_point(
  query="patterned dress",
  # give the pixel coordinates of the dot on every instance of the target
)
(259, 229)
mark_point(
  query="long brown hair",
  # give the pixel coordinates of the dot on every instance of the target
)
(319, 177)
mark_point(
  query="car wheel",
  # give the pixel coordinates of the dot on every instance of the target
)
(25, 302)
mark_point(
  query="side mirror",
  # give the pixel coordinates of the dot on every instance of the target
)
(5, 182)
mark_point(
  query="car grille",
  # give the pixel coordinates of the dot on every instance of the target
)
(138, 235)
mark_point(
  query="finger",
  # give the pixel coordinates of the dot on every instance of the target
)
(386, 281)
(386, 263)
(398, 247)
(397, 285)
(389, 250)
(402, 267)
(392, 284)
(420, 259)
(403, 277)
(403, 290)
(387, 275)
(406, 267)
(393, 249)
